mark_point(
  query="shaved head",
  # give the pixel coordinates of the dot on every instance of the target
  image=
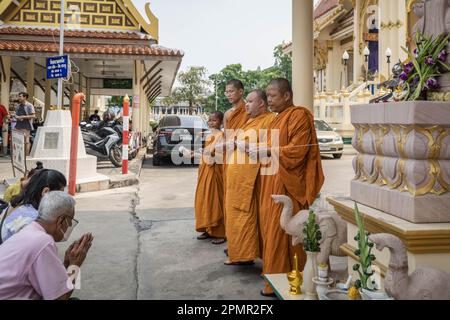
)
(279, 95)
(261, 95)
(282, 84)
(237, 84)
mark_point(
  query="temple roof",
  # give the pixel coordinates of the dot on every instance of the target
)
(324, 7)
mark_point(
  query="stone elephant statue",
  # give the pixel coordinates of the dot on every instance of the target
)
(424, 283)
(333, 228)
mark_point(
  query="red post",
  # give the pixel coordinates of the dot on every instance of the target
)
(76, 104)
(126, 129)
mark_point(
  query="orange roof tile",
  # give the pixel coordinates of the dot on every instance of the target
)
(99, 34)
(87, 48)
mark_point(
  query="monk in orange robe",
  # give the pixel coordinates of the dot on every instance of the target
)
(209, 216)
(243, 186)
(236, 117)
(298, 175)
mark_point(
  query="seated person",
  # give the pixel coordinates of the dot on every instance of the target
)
(23, 208)
(31, 268)
(16, 188)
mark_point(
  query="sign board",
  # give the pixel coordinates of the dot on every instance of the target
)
(51, 140)
(57, 67)
(18, 155)
(117, 83)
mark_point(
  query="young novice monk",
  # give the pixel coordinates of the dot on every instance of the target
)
(209, 216)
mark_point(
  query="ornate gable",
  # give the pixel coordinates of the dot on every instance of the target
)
(80, 14)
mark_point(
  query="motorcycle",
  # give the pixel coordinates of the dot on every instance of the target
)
(103, 142)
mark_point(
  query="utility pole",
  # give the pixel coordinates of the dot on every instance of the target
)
(61, 52)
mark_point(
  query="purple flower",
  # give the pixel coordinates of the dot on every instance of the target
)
(404, 76)
(408, 67)
(431, 83)
(416, 52)
(429, 61)
(442, 56)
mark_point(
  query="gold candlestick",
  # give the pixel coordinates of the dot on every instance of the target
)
(295, 279)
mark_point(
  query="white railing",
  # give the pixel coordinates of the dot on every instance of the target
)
(334, 108)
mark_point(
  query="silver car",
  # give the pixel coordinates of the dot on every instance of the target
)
(330, 142)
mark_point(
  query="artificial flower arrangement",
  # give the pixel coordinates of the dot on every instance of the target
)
(364, 253)
(312, 234)
(425, 64)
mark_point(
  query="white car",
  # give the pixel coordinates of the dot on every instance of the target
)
(330, 142)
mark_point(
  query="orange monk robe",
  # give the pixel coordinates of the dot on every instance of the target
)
(235, 122)
(209, 215)
(299, 176)
(242, 197)
(238, 118)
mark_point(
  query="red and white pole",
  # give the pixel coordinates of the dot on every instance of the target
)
(76, 105)
(126, 128)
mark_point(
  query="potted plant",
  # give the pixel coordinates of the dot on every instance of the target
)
(312, 237)
(425, 64)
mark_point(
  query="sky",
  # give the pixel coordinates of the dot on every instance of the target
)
(216, 33)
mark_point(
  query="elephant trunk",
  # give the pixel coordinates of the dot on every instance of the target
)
(286, 213)
(399, 258)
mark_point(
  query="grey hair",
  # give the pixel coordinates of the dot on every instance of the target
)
(55, 204)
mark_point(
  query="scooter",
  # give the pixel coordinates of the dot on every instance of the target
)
(102, 142)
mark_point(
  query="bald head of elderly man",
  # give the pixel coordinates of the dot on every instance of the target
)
(31, 267)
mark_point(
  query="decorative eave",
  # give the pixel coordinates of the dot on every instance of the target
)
(328, 19)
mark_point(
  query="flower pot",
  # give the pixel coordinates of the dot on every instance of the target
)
(373, 295)
(322, 272)
(309, 273)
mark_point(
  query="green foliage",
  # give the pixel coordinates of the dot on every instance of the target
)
(424, 65)
(252, 79)
(364, 252)
(312, 233)
(192, 88)
(153, 124)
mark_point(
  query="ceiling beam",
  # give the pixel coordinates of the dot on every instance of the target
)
(145, 87)
(150, 70)
(157, 87)
(152, 85)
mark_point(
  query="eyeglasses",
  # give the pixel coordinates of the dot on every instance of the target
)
(74, 222)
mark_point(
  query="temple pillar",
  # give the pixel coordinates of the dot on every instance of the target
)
(88, 97)
(384, 37)
(303, 53)
(48, 98)
(358, 59)
(30, 78)
(5, 81)
(136, 96)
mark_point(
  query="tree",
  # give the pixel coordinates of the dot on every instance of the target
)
(192, 87)
(283, 63)
(252, 79)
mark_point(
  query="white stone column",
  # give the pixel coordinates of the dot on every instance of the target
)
(136, 97)
(30, 78)
(384, 37)
(143, 108)
(303, 53)
(402, 16)
(5, 84)
(358, 58)
(48, 98)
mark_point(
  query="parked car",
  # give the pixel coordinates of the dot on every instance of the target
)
(174, 131)
(330, 142)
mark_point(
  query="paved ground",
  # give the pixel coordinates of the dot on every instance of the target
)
(145, 246)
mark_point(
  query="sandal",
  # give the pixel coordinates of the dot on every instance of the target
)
(269, 295)
(203, 236)
(247, 263)
(218, 241)
(226, 252)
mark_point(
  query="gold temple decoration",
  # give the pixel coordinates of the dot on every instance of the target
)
(435, 180)
(295, 279)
